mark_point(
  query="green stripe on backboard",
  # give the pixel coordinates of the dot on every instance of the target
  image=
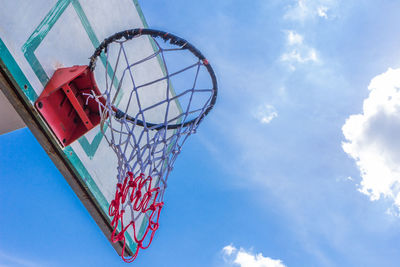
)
(37, 37)
(140, 12)
(12, 67)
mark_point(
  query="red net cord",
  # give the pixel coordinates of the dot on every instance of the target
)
(141, 198)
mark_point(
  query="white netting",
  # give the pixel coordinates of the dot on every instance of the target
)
(155, 96)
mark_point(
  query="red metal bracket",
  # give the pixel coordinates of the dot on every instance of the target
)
(67, 111)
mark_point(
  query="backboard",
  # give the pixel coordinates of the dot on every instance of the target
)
(35, 40)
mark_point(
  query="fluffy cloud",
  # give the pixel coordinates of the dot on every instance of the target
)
(309, 9)
(265, 113)
(299, 56)
(373, 138)
(243, 258)
(297, 52)
(294, 38)
(321, 11)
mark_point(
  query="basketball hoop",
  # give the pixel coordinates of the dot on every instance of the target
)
(147, 149)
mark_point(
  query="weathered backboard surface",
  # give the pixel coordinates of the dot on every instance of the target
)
(38, 37)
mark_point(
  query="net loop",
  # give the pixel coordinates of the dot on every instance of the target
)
(141, 204)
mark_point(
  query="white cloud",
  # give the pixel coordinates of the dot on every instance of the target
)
(309, 9)
(294, 38)
(297, 12)
(243, 258)
(373, 138)
(296, 55)
(322, 11)
(297, 52)
(228, 250)
(265, 113)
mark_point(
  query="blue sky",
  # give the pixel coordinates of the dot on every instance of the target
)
(295, 166)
